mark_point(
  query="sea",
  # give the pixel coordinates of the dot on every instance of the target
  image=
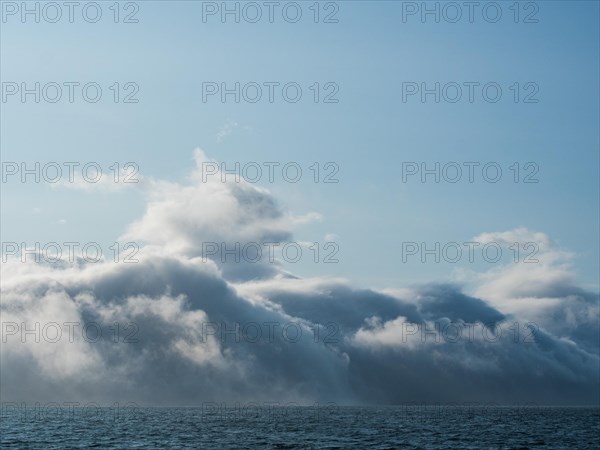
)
(215, 426)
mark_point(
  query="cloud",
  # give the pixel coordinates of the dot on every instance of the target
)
(192, 328)
(544, 291)
(210, 217)
(228, 128)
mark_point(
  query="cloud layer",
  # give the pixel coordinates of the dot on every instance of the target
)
(193, 329)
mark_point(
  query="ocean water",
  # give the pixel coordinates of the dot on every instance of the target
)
(331, 427)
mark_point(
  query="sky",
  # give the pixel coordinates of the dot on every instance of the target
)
(380, 105)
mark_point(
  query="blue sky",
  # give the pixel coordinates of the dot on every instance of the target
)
(369, 133)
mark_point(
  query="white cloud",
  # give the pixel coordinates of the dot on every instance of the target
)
(353, 346)
(228, 128)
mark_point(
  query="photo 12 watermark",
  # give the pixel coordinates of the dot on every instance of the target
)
(54, 332)
(68, 411)
(463, 410)
(448, 332)
(70, 12)
(469, 172)
(469, 92)
(69, 252)
(469, 252)
(270, 172)
(271, 252)
(270, 332)
(62, 92)
(69, 172)
(470, 12)
(270, 92)
(270, 12)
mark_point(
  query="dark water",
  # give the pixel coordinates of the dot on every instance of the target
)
(306, 427)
